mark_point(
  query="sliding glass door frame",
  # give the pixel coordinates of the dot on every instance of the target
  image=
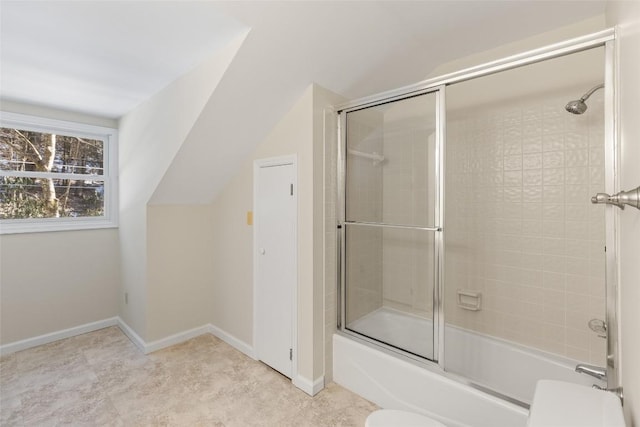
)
(436, 228)
(606, 39)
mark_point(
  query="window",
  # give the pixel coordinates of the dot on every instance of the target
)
(56, 175)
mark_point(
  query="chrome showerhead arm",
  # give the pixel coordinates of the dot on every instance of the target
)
(590, 92)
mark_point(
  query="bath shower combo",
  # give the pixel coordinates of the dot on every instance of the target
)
(489, 288)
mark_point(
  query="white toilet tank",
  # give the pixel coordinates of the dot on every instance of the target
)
(558, 403)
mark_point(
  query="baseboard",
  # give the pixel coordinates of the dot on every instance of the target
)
(145, 347)
(310, 387)
(174, 339)
(180, 337)
(56, 336)
(232, 341)
(132, 335)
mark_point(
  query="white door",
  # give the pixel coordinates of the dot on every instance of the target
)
(275, 263)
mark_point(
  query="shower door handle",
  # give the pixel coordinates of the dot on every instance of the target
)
(631, 198)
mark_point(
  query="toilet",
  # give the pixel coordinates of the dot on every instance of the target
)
(397, 418)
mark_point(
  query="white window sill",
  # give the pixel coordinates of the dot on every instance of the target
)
(54, 224)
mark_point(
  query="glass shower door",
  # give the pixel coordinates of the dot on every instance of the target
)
(389, 225)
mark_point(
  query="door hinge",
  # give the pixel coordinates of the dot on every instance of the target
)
(291, 354)
(291, 189)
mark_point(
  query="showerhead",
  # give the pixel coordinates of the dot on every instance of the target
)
(579, 106)
(576, 107)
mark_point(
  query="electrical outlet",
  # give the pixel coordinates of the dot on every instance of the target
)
(126, 297)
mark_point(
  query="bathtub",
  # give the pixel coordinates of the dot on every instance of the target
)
(393, 381)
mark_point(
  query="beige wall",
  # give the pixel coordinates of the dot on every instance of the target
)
(232, 257)
(626, 16)
(179, 247)
(54, 281)
(303, 146)
(330, 157)
(555, 36)
(150, 137)
(59, 280)
(324, 287)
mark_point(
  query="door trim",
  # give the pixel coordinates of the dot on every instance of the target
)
(257, 165)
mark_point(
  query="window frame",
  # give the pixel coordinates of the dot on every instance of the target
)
(109, 176)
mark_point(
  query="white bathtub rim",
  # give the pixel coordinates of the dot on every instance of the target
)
(387, 398)
(408, 406)
(392, 351)
(457, 366)
(556, 359)
(458, 381)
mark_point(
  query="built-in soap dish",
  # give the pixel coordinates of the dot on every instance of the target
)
(469, 300)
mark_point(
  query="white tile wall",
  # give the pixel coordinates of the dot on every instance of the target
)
(520, 227)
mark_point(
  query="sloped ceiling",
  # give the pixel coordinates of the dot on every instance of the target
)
(351, 48)
(105, 57)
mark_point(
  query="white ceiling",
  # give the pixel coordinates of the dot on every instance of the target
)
(103, 57)
(353, 48)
